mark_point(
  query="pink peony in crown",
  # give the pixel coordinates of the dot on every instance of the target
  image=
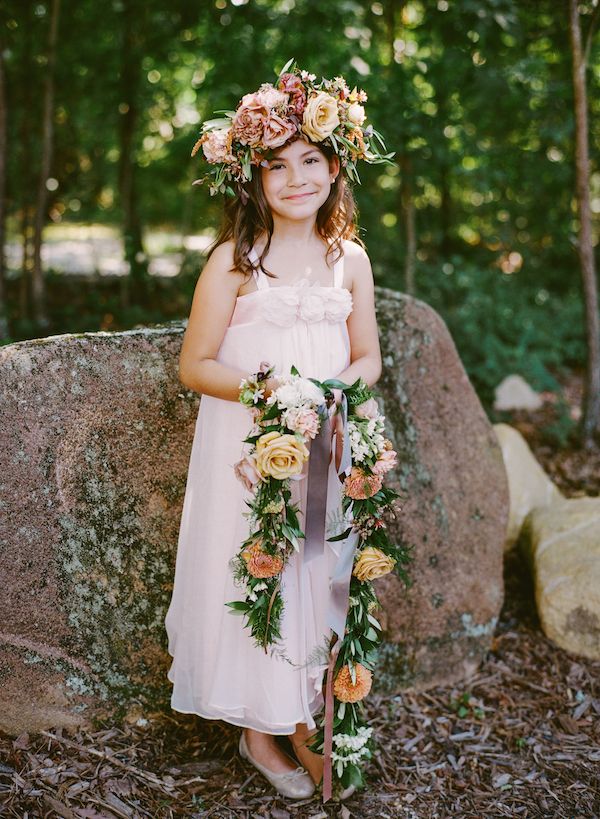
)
(327, 112)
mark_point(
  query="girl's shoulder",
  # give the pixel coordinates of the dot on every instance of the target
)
(220, 270)
(352, 250)
(223, 252)
(357, 265)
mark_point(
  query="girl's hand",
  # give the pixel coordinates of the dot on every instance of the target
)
(269, 385)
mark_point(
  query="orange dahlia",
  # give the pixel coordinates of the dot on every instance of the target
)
(345, 690)
(359, 485)
(259, 563)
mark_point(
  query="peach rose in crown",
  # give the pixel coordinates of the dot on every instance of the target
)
(280, 456)
(216, 145)
(248, 121)
(277, 131)
(356, 114)
(259, 563)
(358, 485)
(271, 97)
(372, 563)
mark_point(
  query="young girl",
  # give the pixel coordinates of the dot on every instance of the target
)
(288, 282)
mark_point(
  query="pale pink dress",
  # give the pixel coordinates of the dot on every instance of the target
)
(217, 672)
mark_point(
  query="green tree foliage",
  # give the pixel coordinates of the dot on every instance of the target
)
(474, 96)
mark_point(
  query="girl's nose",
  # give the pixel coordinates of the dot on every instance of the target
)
(295, 174)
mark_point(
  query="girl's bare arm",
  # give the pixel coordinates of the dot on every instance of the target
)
(212, 307)
(365, 355)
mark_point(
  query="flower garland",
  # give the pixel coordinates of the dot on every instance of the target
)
(296, 106)
(292, 414)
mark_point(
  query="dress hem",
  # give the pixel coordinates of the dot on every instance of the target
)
(278, 731)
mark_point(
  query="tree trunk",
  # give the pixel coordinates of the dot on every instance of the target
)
(4, 330)
(406, 203)
(26, 166)
(130, 74)
(410, 223)
(37, 284)
(590, 421)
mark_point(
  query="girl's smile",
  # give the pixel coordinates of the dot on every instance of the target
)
(299, 173)
(299, 196)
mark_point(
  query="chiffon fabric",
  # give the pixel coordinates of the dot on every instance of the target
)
(217, 671)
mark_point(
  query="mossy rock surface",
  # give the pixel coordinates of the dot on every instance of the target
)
(96, 433)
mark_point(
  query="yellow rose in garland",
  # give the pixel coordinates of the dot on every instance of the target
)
(280, 456)
(372, 563)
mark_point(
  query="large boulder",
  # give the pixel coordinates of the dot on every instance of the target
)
(562, 546)
(528, 485)
(456, 512)
(95, 438)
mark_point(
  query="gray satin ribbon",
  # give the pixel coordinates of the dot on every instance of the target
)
(317, 507)
(316, 498)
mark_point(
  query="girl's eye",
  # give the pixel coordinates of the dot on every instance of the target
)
(279, 165)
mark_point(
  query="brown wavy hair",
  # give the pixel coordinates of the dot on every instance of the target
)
(337, 218)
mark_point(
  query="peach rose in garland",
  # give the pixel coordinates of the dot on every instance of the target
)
(320, 117)
(259, 563)
(372, 563)
(385, 462)
(246, 472)
(358, 485)
(368, 409)
(302, 420)
(347, 691)
(280, 456)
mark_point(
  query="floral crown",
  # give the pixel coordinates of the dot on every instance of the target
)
(326, 112)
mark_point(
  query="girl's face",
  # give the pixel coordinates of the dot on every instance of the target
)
(298, 180)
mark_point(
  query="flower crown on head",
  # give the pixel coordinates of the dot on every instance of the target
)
(326, 112)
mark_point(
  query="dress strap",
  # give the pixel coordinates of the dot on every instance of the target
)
(258, 273)
(338, 273)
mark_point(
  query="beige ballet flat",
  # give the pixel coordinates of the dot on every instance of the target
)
(295, 784)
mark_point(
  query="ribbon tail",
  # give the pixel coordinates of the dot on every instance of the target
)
(317, 507)
(340, 586)
(328, 729)
(316, 501)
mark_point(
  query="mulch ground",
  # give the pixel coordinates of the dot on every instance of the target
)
(519, 738)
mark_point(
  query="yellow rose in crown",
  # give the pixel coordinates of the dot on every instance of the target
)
(320, 116)
(372, 563)
(280, 456)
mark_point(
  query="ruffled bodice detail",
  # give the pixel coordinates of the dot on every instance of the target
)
(303, 301)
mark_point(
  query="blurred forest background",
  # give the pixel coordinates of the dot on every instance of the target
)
(102, 228)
